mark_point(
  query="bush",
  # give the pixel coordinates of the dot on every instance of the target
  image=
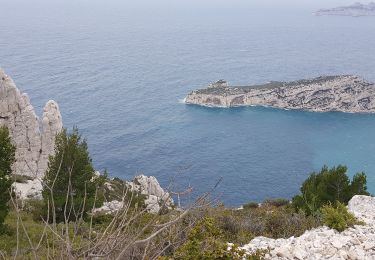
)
(7, 153)
(240, 226)
(70, 183)
(206, 241)
(251, 205)
(338, 217)
(329, 186)
(276, 202)
(35, 208)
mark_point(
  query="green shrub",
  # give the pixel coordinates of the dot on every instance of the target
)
(250, 205)
(70, 172)
(35, 208)
(7, 153)
(329, 186)
(338, 217)
(276, 202)
(205, 241)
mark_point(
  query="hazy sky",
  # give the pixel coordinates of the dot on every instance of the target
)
(211, 3)
(160, 8)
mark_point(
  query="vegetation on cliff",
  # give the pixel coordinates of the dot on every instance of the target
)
(329, 186)
(64, 224)
(70, 171)
(7, 151)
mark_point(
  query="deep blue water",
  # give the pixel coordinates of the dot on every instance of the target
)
(118, 73)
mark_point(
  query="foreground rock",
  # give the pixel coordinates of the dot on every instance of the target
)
(333, 93)
(30, 189)
(354, 10)
(324, 243)
(34, 143)
(155, 196)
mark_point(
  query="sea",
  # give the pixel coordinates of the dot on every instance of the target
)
(120, 71)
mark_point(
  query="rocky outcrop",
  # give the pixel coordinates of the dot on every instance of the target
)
(324, 243)
(34, 143)
(109, 207)
(155, 196)
(30, 189)
(354, 10)
(334, 93)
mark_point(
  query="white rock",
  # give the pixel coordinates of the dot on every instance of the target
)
(109, 207)
(33, 145)
(337, 244)
(152, 204)
(32, 189)
(149, 186)
(324, 243)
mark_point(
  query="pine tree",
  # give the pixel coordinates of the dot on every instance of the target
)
(70, 182)
(328, 187)
(7, 153)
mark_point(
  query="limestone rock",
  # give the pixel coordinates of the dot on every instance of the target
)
(363, 207)
(32, 189)
(324, 243)
(149, 185)
(52, 125)
(152, 204)
(109, 207)
(33, 143)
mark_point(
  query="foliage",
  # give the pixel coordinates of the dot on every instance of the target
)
(276, 202)
(117, 189)
(8, 241)
(250, 205)
(70, 183)
(329, 186)
(7, 153)
(269, 221)
(338, 217)
(205, 241)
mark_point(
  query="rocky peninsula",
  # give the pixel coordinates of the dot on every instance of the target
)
(354, 10)
(344, 93)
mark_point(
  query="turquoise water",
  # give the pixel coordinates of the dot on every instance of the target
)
(118, 73)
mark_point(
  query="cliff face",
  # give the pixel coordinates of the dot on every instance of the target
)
(34, 143)
(334, 93)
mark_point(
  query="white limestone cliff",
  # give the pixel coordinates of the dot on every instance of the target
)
(34, 143)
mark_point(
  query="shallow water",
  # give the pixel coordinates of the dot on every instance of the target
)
(119, 73)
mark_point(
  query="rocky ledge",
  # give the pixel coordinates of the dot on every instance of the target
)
(357, 242)
(344, 93)
(354, 10)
